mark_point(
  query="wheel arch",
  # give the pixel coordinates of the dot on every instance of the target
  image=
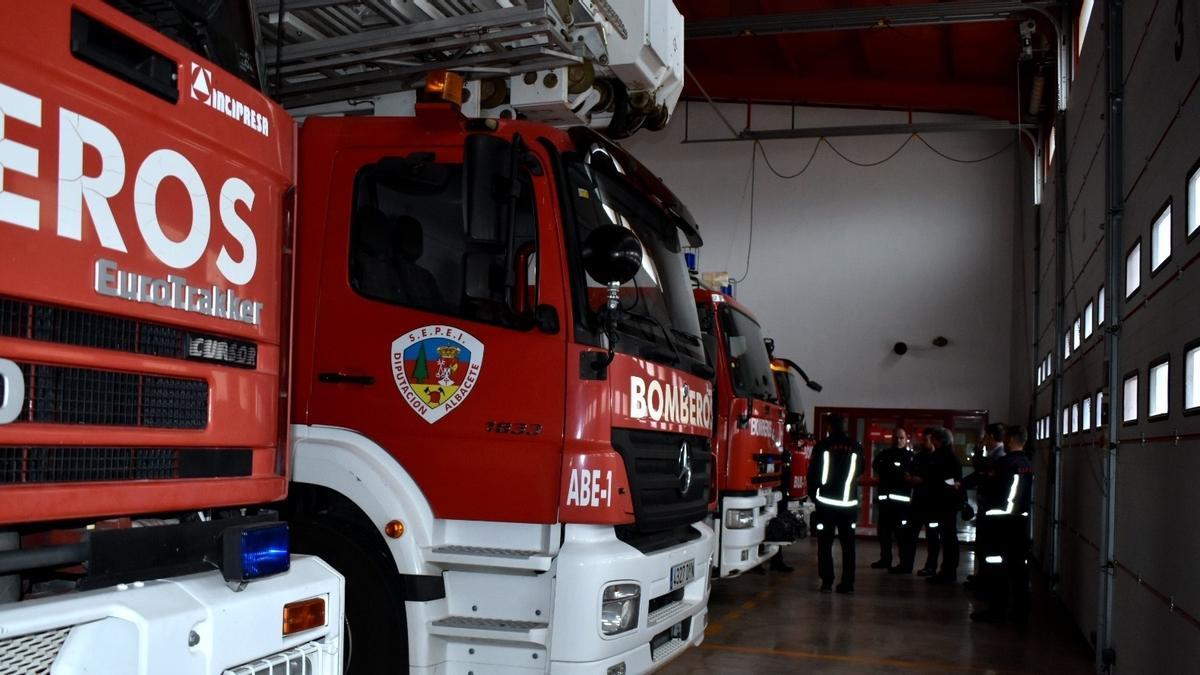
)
(345, 473)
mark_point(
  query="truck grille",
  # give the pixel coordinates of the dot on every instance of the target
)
(313, 658)
(76, 464)
(652, 464)
(47, 323)
(64, 395)
(31, 654)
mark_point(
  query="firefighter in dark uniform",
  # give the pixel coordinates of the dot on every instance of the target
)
(937, 478)
(990, 450)
(833, 474)
(1007, 560)
(923, 479)
(894, 499)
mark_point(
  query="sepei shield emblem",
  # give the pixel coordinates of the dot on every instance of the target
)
(435, 368)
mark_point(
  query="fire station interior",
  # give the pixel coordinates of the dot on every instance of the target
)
(941, 215)
(950, 221)
(916, 206)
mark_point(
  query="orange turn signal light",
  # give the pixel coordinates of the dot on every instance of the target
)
(445, 85)
(394, 529)
(303, 615)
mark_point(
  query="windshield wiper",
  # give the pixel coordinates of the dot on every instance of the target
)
(676, 356)
(688, 337)
(696, 368)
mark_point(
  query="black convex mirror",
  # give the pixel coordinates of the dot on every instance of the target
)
(612, 255)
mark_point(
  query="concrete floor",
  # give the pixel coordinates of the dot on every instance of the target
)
(779, 623)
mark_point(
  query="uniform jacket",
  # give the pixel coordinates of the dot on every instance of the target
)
(982, 479)
(891, 465)
(1010, 489)
(833, 472)
(934, 468)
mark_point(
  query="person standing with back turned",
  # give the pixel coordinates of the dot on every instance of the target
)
(1007, 582)
(947, 501)
(833, 473)
(924, 478)
(990, 451)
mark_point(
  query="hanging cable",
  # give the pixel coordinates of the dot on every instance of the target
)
(758, 144)
(772, 169)
(943, 155)
(733, 132)
(750, 244)
(869, 164)
(741, 204)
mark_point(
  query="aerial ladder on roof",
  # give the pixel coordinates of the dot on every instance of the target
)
(613, 65)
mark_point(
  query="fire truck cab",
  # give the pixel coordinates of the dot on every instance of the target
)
(747, 433)
(798, 441)
(502, 407)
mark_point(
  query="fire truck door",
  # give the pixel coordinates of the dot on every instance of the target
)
(422, 345)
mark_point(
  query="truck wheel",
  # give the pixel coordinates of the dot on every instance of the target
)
(375, 632)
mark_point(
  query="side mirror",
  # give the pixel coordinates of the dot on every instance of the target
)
(612, 255)
(488, 183)
(795, 425)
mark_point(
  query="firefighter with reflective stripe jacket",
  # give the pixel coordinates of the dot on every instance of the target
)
(982, 480)
(894, 499)
(1007, 511)
(833, 475)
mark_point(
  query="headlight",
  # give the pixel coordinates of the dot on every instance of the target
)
(739, 519)
(619, 610)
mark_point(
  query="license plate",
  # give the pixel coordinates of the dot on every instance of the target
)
(682, 573)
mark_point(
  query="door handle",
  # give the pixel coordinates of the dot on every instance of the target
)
(346, 378)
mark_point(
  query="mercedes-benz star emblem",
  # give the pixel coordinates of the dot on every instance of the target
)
(685, 468)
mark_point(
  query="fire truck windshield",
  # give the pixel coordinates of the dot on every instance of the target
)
(789, 388)
(222, 31)
(657, 309)
(749, 364)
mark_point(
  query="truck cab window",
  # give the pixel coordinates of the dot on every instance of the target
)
(657, 308)
(409, 245)
(749, 364)
(222, 31)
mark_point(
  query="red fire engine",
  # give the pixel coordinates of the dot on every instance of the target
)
(502, 407)
(747, 434)
(798, 441)
(144, 202)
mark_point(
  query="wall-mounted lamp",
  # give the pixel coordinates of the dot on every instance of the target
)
(901, 348)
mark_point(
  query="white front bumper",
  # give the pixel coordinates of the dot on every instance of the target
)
(191, 625)
(591, 558)
(743, 549)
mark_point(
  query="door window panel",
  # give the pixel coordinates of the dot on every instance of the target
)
(409, 246)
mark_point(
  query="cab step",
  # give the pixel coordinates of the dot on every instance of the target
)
(496, 630)
(481, 556)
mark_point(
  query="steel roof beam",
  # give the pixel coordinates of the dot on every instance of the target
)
(903, 129)
(862, 18)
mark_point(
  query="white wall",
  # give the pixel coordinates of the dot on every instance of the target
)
(848, 260)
